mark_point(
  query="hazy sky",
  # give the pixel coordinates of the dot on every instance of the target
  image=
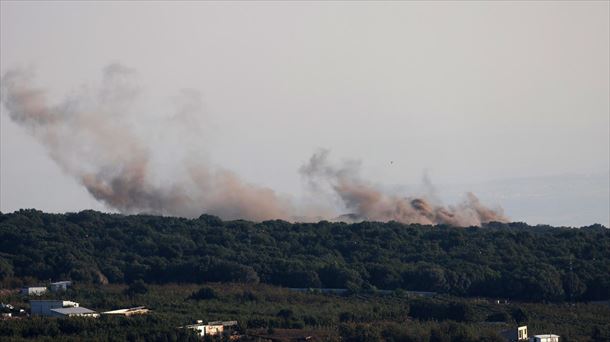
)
(475, 93)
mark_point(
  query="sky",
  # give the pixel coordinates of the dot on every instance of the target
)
(509, 100)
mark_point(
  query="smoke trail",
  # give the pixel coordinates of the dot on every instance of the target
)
(91, 136)
(369, 203)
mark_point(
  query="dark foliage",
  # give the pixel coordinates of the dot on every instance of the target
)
(514, 261)
(265, 309)
(204, 293)
(136, 288)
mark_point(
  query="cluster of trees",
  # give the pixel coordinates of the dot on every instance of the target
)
(511, 260)
(264, 309)
(418, 332)
(148, 328)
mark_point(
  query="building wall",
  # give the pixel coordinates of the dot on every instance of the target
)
(60, 286)
(33, 291)
(57, 314)
(208, 329)
(200, 329)
(545, 339)
(213, 330)
(43, 307)
(522, 332)
(136, 312)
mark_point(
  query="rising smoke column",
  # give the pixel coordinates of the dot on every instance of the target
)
(369, 203)
(91, 136)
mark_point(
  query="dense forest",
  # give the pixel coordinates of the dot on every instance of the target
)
(514, 260)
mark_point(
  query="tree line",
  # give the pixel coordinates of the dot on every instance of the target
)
(504, 260)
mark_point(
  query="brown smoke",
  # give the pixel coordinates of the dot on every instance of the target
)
(93, 136)
(369, 203)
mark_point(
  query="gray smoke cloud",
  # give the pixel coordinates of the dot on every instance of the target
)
(367, 202)
(93, 135)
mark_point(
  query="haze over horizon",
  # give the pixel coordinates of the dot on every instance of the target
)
(507, 100)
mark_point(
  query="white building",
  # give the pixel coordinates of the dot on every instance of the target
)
(60, 285)
(513, 335)
(198, 326)
(138, 310)
(76, 311)
(211, 328)
(33, 290)
(545, 338)
(44, 307)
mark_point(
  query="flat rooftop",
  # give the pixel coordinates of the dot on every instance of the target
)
(79, 310)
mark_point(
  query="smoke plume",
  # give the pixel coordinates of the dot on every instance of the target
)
(91, 136)
(366, 202)
(95, 136)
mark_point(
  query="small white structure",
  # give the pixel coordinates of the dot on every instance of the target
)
(44, 307)
(198, 326)
(60, 285)
(138, 310)
(225, 324)
(544, 338)
(33, 290)
(514, 335)
(76, 311)
(211, 328)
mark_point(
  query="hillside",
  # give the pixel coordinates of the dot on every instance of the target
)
(513, 260)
